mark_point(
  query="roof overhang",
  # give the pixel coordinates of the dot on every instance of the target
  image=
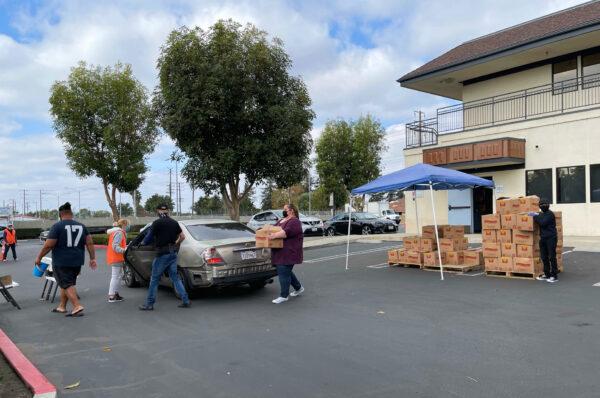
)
(448, 81)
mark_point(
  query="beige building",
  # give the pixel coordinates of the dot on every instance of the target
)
(529, 119)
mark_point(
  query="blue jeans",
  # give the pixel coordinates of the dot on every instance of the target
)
(287, 278)
(166, 262)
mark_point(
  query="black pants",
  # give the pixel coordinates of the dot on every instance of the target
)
(12, 247)
(548, 254)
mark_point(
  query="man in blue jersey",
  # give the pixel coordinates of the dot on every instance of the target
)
(67, 240)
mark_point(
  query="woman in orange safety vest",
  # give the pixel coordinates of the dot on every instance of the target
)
(117, 244)
(10, 242)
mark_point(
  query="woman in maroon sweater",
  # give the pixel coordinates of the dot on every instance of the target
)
(291, 253)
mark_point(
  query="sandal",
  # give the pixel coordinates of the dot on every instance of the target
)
(76, 314)
(59, 311)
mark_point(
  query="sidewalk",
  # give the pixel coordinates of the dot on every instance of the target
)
(579, 243)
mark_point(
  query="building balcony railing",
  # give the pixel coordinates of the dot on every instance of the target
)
(551, 99)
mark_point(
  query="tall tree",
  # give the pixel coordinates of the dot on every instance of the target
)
(349, 155)
(209, 204)
(105, 120)
(266, 200)
(155, 200)
(227, 99)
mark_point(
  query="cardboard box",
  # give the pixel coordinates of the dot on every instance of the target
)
(508, 249)
(488, 235)
(560, 265)
(262, 239)
(505, 264)
(559, 243)
(525, 237)
(504, 236)
(432, 258)
(508, 221)
(465, 245)
(491, 249)
(393, 257)
(413, 257)
(453, 231)
(529, 203)
(451, 244)
(428, 231)
(411, 243)
(455, 258)
(6, 280)
(491, 263)
(558, 217)
(427, 245)
(559, 231)
(503, 206)
(490, 221)
(528, 265)
(528, 251)
(473, 257)
(525, 223)
(402, 256)
(514, 206)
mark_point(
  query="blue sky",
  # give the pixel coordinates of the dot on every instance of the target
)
(348, 53)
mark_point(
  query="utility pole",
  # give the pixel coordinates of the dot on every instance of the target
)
(24, 202)
(170, 186)
(40, 212)
(309, 207)
(192, 199)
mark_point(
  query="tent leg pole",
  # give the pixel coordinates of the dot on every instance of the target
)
(349, 224)
(494, 200)
(417, 211)
(437, 237)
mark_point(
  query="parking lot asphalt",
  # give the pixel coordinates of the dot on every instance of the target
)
(370, 331)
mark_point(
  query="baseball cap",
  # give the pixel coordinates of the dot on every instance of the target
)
(162, 206)
(544, 201)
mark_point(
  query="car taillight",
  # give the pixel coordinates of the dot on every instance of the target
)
(211, 256)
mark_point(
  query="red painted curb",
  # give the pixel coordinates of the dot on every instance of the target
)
(31, 376)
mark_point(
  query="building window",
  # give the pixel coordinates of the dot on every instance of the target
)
(570, 184)
(564, 76)
(595, 183)
(590, 70)
(539, 182)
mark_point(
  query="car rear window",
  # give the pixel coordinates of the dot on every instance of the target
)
(219, 231)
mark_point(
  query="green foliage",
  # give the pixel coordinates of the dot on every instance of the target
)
(246, 205)
(83, 213)
(320, 199)
(155, 200)
(226, 98)
(101, 214)
(282, 196)
(105, 120)
(349, 155)
(49, 214)
(102, 239)
(126, 210)
(28, 233)
(266, 201)
(209, 205)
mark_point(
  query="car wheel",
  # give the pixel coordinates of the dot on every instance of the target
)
(129, 276)
(257, 284)
(366, 230)
(330, 232)
(183, 275)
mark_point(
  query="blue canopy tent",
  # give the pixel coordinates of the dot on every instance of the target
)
(420, 177)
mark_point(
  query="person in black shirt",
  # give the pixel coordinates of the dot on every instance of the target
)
(167, 236)
(68, 239)
(548, 241)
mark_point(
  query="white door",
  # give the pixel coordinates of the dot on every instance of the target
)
(460, 211)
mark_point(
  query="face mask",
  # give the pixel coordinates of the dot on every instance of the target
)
(544, 208)
(162, 215)
(285, 214)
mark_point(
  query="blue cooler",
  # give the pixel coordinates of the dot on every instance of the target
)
(38, 270)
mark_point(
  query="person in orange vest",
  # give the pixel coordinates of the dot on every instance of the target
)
(10, 242)
(117, 244)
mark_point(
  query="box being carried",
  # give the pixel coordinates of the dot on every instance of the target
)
(262, 237)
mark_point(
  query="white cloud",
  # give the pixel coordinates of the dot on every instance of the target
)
(345, 78)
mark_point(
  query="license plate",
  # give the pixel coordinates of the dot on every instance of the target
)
(248, 255)
(390, 228)
(314, 229)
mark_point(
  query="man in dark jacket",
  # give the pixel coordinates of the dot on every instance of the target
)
(548, 240)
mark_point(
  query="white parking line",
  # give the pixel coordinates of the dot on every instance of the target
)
(377, 266)
(596, 284)
(568, 251)
(342, 255)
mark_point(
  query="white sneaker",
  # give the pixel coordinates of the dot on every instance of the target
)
(552, 280)
(542, 277)
(296, 293)
(280, 300)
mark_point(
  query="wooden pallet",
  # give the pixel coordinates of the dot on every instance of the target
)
(404, 265)
(510, 274)
(455, 269)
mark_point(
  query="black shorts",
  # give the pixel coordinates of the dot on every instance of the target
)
(66, 276)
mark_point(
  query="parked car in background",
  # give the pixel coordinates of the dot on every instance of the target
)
(362, 223)
(44, 236)
(310, 225)
(214, 253)
(391, 215)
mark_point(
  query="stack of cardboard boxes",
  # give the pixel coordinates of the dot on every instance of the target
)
(510, 238)
(423, 250)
